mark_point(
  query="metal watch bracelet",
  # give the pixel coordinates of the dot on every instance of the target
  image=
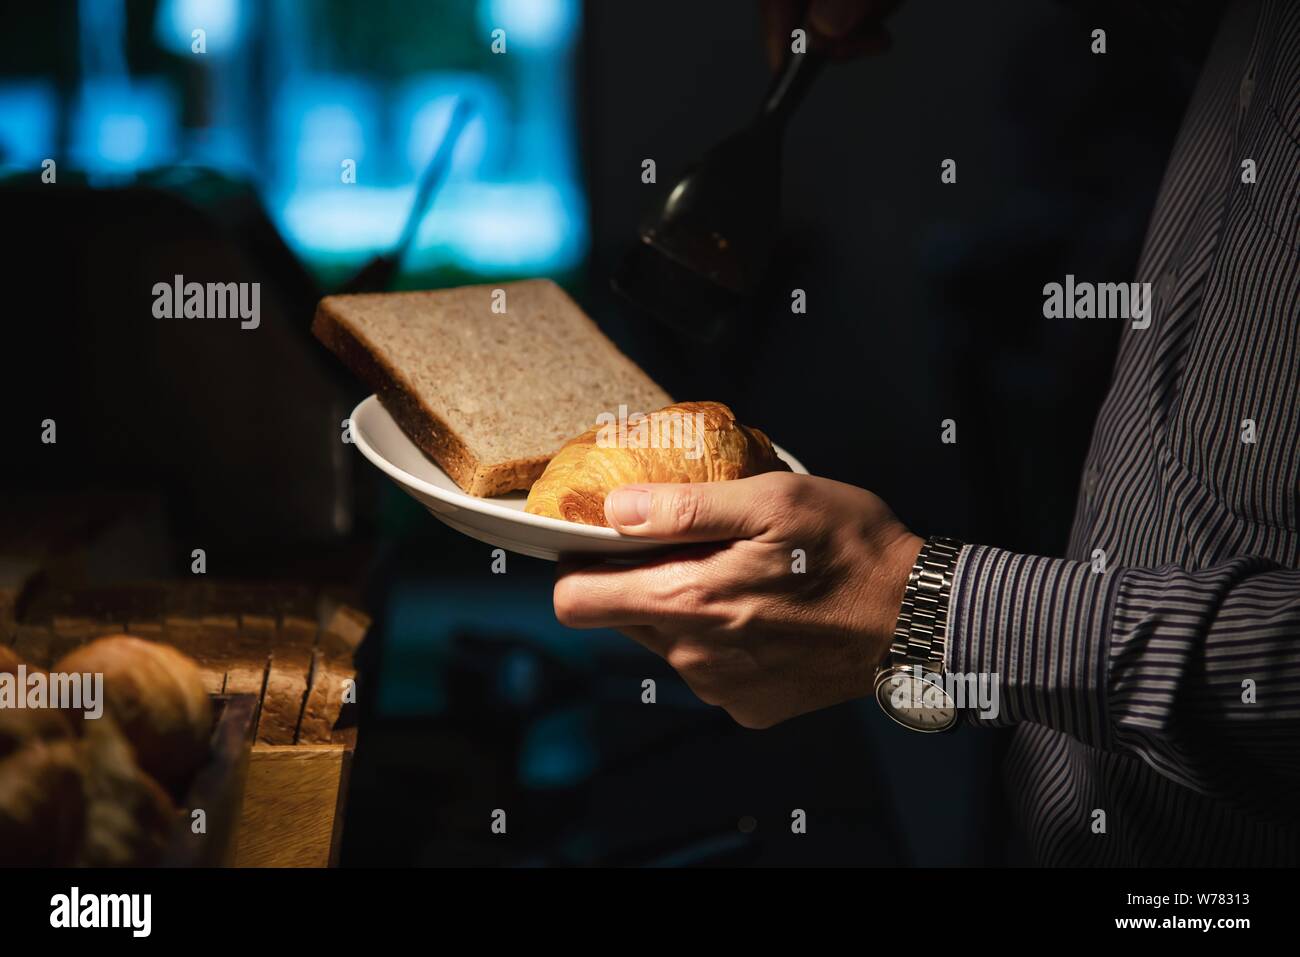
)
(921, 634)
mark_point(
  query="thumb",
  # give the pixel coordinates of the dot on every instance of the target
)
(690, 511)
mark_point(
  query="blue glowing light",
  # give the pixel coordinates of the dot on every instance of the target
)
(531, 24)
(277, 115)
(120, 127)
(221, 21)
(423, 109)
(26, 123)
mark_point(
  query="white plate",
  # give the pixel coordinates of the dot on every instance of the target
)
(500, 520)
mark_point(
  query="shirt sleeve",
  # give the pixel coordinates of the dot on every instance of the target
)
(1197, 673)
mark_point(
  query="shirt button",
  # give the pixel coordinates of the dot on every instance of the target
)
(1090, 480)
(1246, 90)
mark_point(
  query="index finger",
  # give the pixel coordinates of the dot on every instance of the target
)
(600, 595)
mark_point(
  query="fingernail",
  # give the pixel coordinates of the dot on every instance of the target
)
(628, 506)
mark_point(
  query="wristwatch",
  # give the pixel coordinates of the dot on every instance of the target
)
(911, 683)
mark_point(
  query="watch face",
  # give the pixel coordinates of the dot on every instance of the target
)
(915, 700)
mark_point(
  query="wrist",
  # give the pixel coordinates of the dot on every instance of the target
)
(890, 582)
(909, 683)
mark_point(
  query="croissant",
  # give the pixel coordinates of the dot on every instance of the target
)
(684, 442)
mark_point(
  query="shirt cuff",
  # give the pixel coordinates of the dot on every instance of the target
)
(1028, 637)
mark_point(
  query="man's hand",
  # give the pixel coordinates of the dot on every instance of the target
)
(841, 29)
(749, 624)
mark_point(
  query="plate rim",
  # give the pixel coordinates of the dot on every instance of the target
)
(487, 506)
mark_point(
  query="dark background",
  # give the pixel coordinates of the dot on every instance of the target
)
(924, 303)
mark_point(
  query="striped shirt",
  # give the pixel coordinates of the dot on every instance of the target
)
(1153, 674)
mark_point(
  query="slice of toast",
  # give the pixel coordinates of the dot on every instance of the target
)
(489, 381)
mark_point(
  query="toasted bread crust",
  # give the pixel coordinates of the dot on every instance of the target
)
(425, 428)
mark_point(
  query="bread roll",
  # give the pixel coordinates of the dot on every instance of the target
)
(21, 726)
(686, 442)
(129, 817)
(66, 800)
(156, 696)
(42, 804)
